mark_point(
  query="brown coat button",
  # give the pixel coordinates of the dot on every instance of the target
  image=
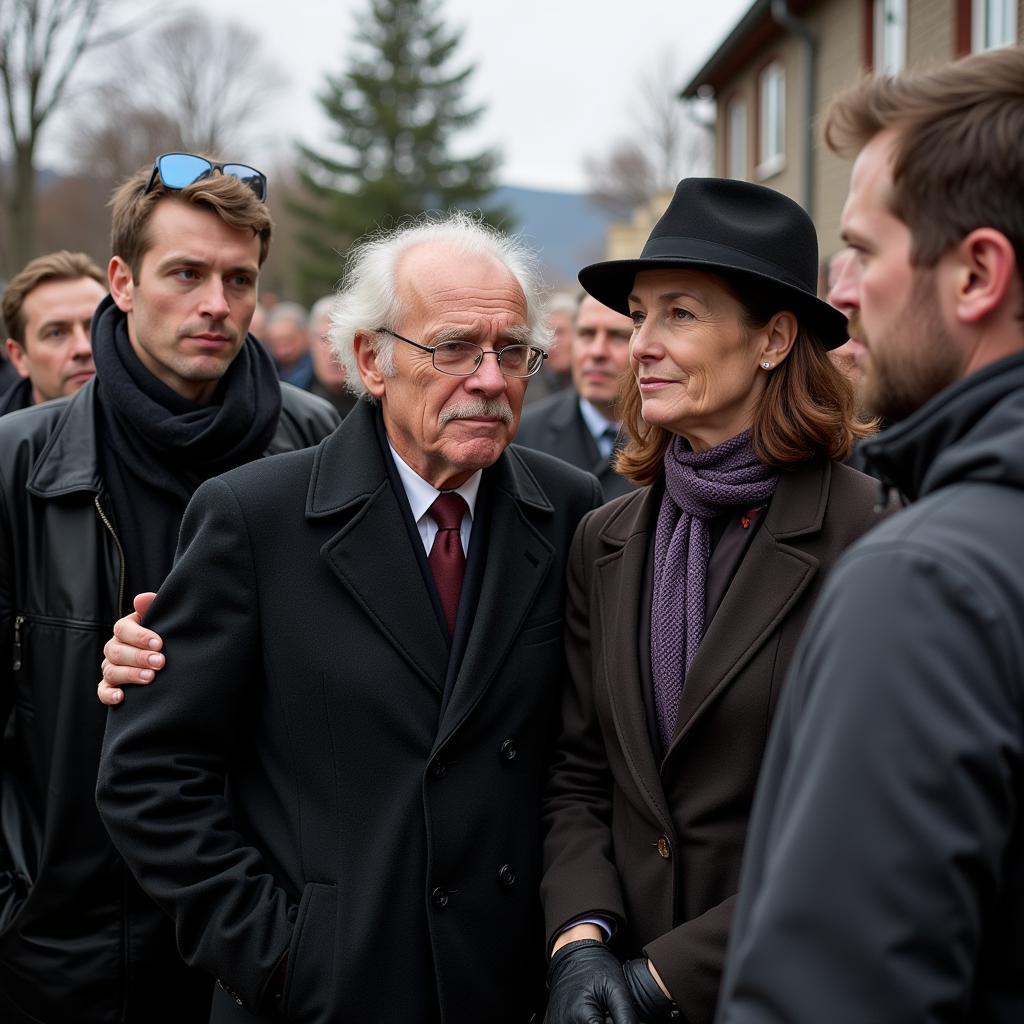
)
(664, 849)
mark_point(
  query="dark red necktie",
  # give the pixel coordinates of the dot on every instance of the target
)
(447, 559)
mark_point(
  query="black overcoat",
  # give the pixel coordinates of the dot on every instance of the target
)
(381, 818)
(654, 842)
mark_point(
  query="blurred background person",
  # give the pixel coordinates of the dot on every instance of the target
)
(581, 424)
(286, 336)
(556, 374)
(686, 598)
(328, 372)
(47, 309)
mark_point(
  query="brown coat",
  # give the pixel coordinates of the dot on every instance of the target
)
(656, 847)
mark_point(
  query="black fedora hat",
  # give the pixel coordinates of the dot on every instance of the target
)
(739, 229)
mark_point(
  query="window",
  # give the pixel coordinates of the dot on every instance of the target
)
(890, 54)
(993, 23)
(736, 140)
(771, 87)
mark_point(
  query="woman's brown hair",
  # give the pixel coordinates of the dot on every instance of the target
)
(807, 409)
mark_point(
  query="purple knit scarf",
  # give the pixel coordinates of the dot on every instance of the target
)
(698, 487)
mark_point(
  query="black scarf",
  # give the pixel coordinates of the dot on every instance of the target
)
(159, 447)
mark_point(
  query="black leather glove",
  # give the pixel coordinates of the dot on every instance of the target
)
(587, 986)
(653, 1005)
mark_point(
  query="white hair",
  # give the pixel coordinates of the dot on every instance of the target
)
(286, 312)
(368, 300)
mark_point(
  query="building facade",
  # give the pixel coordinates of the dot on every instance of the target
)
(774, 74)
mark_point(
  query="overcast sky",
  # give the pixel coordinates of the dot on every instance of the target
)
(558, 77)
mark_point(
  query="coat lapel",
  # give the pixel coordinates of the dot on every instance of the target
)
(372, 554)
(771, 577)
(518, 560)
(620, 593)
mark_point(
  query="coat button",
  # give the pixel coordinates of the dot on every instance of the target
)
(507, 875)
(439, 769)
(508, 749)
(664, 849)
(439, 897)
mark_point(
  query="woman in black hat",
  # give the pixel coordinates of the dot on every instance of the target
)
(687, 597)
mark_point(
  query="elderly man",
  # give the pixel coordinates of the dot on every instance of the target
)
(580, 425)
(47, 308)
(334, 785)
(92, 490)
(328, 372)
(884, 872)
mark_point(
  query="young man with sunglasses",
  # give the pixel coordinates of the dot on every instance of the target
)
(92, 491)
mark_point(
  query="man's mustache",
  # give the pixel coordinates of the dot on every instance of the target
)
(492, 408)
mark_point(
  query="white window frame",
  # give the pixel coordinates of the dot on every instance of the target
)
(737, 138)
(993, 24)
(890, 42)
(771, 101)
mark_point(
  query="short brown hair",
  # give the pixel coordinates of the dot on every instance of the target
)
(958, 161)
(223, 194)
(807, 409)
(54, 266)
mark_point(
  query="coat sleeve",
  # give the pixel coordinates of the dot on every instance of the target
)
(166, 750)
(886, 801)
(8, 886)
(580, 876)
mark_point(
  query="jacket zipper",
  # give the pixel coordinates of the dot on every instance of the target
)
(125, 937)
(120, 550)
(19, 621)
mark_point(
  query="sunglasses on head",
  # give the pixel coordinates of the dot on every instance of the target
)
(179, 170)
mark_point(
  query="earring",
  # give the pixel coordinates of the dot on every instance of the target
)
(766, 365)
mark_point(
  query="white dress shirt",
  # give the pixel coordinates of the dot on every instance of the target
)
(422, 495)
(602, 429)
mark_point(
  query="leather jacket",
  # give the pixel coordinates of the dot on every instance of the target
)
(78, 939)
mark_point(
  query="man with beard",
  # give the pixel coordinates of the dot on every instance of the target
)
(884, 872)
(47, 308)
(334, 785)
(92, 491)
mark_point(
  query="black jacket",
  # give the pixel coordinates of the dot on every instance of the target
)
(17, 396)
(380, 822)
(556, 426)
(78, 940)
(884, 875)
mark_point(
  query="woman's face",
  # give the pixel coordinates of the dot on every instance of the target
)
(696, 363)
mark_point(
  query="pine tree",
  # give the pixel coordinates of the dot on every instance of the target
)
(395, 111)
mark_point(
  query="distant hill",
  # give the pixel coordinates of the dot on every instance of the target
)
(567, 228)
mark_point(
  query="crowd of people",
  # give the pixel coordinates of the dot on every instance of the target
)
(465, 656)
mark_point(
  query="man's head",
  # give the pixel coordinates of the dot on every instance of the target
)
(327, 368)
(47, 309)
(286, 333)
(935, 215)
(600, 354)
(184, 270)
(561, 314)
(437, 281)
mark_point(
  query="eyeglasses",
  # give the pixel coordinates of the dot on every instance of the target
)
(462, 358)
(179, 170)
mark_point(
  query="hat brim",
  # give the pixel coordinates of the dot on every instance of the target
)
(610, 283)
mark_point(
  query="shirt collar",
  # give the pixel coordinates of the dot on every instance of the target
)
(421, 495)
(597, 423)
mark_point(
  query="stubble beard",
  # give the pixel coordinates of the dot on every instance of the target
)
(915, 360)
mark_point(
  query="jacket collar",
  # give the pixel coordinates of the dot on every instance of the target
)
(69, 462)
(959, 433)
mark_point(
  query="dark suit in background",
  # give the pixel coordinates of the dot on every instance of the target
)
(556, 426)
